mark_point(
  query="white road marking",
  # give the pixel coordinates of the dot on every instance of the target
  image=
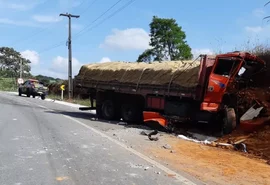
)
(177, 176)
(158, 165)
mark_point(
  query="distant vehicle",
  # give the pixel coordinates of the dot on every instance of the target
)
(33, 88)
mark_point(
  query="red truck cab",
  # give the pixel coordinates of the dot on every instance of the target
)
(225, 70)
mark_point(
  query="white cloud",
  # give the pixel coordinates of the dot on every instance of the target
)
(37, 70)
(17, 5)
(60, 65)
(259, 13)
(254, 29)
(205, 51)
(47, 18)
(128, 39)
(105, 59)
(33, 56)
(17, 23)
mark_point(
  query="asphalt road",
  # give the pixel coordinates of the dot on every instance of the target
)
(40, 143)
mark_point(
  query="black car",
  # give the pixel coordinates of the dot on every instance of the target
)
(33, 88)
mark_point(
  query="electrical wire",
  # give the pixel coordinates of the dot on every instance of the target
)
(105, 19)
(19, 41)
(53, 47)
(88, 28)
(89, 6)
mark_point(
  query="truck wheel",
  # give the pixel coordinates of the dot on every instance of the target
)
(131, 113)
(229, 120)
(99, 111)
(28, 93)
(108, 110)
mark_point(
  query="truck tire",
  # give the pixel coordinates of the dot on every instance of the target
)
(131, 113)
(108, 110)
(229, 120)
(99, 111)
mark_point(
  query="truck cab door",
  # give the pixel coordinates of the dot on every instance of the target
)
(223, 72)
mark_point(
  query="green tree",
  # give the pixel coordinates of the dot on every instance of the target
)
(167, 42)
(146, 56)
(10, 61)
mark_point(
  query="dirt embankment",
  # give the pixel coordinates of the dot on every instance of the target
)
(212, 165)
(257, 142)
(256, 132)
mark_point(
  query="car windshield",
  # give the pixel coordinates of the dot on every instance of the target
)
(37, 84)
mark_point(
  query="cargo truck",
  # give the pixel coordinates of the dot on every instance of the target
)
(200, 91)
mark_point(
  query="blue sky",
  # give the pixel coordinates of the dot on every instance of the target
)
(34, 26)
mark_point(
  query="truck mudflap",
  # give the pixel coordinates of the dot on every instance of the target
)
(155, 120)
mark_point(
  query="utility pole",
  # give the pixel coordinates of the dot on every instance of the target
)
(21, 68)
(70, 84)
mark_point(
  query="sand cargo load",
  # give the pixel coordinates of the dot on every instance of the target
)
(180, 73)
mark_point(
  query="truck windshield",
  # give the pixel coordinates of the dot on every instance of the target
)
(225, 66)
(250, 68)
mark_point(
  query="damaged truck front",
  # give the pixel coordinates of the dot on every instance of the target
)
(170, 92)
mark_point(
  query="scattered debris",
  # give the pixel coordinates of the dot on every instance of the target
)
(155, 132)
(157, 172)
(171, 175)
(256, 143)
(251, 113)
(194, 140)
(172, 151)
(166, 146)
(146, 168)
(240, 147)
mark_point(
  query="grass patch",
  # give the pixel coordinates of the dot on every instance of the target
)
(8, 84)
(85, 102)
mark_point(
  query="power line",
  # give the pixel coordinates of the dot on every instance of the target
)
(30, 36)
(98, 18)
(105, 19)
(53, 46)
(35, 33)
(89, 29)
(89, 6)
(21, 40)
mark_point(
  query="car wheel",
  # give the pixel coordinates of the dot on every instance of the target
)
(43, 97)
(28, 93)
